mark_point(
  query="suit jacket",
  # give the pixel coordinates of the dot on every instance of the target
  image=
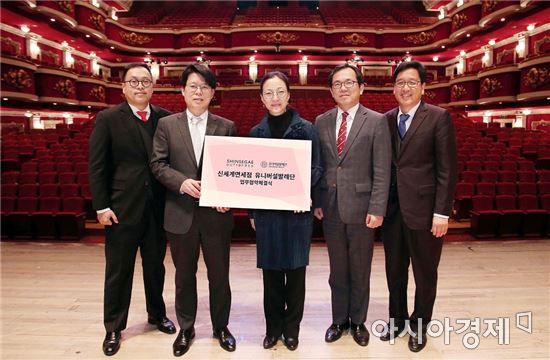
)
(424, 166)
(358, 182)
(118, 166)
(173, 161)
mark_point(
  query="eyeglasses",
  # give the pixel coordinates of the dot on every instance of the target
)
(135, 83)
(348, 84)
(412, 83)
(270, 94)
(195, 87)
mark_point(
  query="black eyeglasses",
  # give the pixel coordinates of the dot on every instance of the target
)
(348, 84)
(135, 83)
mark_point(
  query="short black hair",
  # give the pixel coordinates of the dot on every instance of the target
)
(273, 74)
(133, 66)
(358, 74)
(201, 70)
(411, 65)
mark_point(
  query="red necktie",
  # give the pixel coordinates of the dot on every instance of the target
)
(143, 115)
(341, 143)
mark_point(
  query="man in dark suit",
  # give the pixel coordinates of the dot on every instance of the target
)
(176, 163)
(356, 150)
(424, 175)
(129, 202)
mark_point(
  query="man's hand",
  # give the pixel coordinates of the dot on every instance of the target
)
(318, 213)
(222, 209)
(373, 221)
(105, 218)
(439, 226)
(191, 187)
(253, 224)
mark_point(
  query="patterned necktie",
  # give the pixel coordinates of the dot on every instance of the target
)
(143, 115)
(402, 124)
(196, 137)
(341, 143)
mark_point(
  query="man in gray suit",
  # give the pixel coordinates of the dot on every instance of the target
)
(176, 163)
(356, 149)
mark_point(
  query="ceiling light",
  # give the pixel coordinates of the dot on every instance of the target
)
(462, 53)
(435, 58)
(502, 19)
(468, 35)
(531, 27)
(112, 47)
(443, 46)
(52, 19)
(25, 29)
(87, 35)
(492, 42)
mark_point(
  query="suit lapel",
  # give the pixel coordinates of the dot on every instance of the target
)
(183, 127)
(392, 119)
(417, 121)
(133, 129)
(211, 124)
(358, 122)
(331, 129)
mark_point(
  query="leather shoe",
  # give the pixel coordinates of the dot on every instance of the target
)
(227, 341)
(291, 343)
(270, 341)
(414, 342)
(360, 334)
(111, 344)
(335, 331)
(389, 335)
(163, 324)
(183, 341)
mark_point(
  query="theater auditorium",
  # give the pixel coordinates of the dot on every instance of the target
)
(488, 65)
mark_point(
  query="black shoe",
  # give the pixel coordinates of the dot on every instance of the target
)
(111, 344)
(335, 331)
(270, 341)
(389, 335)
(415, 344)
(291, 343)
(163, 324)
(360, 334)
(183, 341)
(227, 341)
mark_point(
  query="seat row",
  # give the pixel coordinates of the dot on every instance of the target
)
(508, 216)
(43, 218)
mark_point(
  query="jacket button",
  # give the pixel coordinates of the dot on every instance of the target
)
(146, 183)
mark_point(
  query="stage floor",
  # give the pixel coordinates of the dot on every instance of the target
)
(52, 306)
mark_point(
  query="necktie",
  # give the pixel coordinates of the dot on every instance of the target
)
(143, 115)
(196, 137)
(341, 143)
(402, 125)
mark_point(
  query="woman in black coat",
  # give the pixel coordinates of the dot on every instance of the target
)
(283, 238)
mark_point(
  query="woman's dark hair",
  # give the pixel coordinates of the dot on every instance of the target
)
(358, 74)
(133, 66)
(273, 74)
(411, 65)
(201, 70)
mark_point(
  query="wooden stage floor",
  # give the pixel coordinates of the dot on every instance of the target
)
(52, 305)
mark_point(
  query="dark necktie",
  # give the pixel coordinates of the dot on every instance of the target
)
(402, 124)
(143, 115)
(341, 143)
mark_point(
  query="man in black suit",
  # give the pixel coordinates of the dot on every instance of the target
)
(424, 175)
(130, 203)
(176, 163)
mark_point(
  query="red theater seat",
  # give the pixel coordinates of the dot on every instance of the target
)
(484, 219)
(510, 217)
(534, 218)
(71, 220)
